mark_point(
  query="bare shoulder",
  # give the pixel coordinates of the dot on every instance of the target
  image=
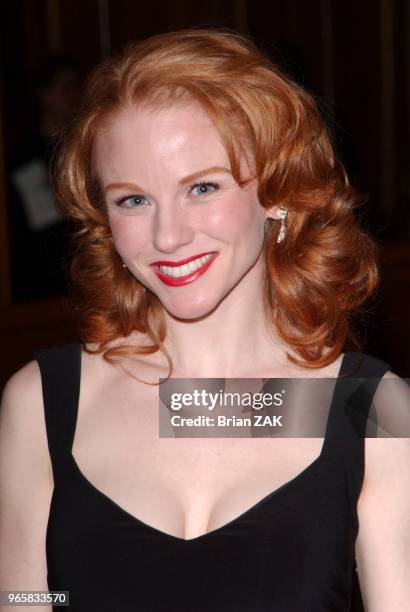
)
(22, 387)
(24, 382)
(387, 459)
(383, 543)
(22, 420)
(26, 481)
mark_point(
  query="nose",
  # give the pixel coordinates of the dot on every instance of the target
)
(172, 228)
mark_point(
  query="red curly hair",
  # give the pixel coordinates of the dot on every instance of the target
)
(316, 279)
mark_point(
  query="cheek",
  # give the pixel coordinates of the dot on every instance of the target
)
(241, 218)
(126, 236)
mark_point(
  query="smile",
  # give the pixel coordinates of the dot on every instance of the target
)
(188, 272)
(192, 266)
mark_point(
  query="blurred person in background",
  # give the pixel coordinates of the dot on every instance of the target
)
(37, 229)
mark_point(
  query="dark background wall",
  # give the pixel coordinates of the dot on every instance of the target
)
(354, 56)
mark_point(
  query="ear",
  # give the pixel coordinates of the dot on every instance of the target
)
(272, 213)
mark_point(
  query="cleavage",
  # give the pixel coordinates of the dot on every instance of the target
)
(189, 493)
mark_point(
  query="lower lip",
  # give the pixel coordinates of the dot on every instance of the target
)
(173, 281)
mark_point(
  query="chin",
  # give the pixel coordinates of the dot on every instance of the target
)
(190, 309)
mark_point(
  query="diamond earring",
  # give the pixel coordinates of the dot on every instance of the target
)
(124, 265)
(283, 211)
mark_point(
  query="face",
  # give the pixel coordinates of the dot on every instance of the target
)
(170, 197)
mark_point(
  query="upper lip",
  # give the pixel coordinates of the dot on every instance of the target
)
(175, 264)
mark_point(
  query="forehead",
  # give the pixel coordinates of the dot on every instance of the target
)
(180, 139)
(177, 130)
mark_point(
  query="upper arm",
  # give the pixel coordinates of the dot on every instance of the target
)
(383, 543)
(26, 483)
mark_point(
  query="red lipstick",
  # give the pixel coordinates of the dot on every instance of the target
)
(173, 281)
(162, 262)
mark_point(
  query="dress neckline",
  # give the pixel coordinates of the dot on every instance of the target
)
(305, 472)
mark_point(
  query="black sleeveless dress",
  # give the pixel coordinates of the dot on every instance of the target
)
(293, 551)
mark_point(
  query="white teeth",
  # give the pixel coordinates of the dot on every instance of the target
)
(188, 268)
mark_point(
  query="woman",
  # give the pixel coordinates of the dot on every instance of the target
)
(192, 147)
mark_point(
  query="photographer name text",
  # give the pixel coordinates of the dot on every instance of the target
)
(256, 420)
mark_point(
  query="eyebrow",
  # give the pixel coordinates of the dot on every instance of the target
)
(183, 181)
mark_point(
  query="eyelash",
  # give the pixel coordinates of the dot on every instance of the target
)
(124, 199)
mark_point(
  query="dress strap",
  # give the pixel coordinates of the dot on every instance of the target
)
(348, 422)
(361, 365)
(60, 368)
(354, 390)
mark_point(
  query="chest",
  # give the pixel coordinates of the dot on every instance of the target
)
(182, 486)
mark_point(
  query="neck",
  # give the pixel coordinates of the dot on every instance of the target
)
(234, 340)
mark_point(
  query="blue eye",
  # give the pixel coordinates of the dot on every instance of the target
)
(137, 199)
(203, 188)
